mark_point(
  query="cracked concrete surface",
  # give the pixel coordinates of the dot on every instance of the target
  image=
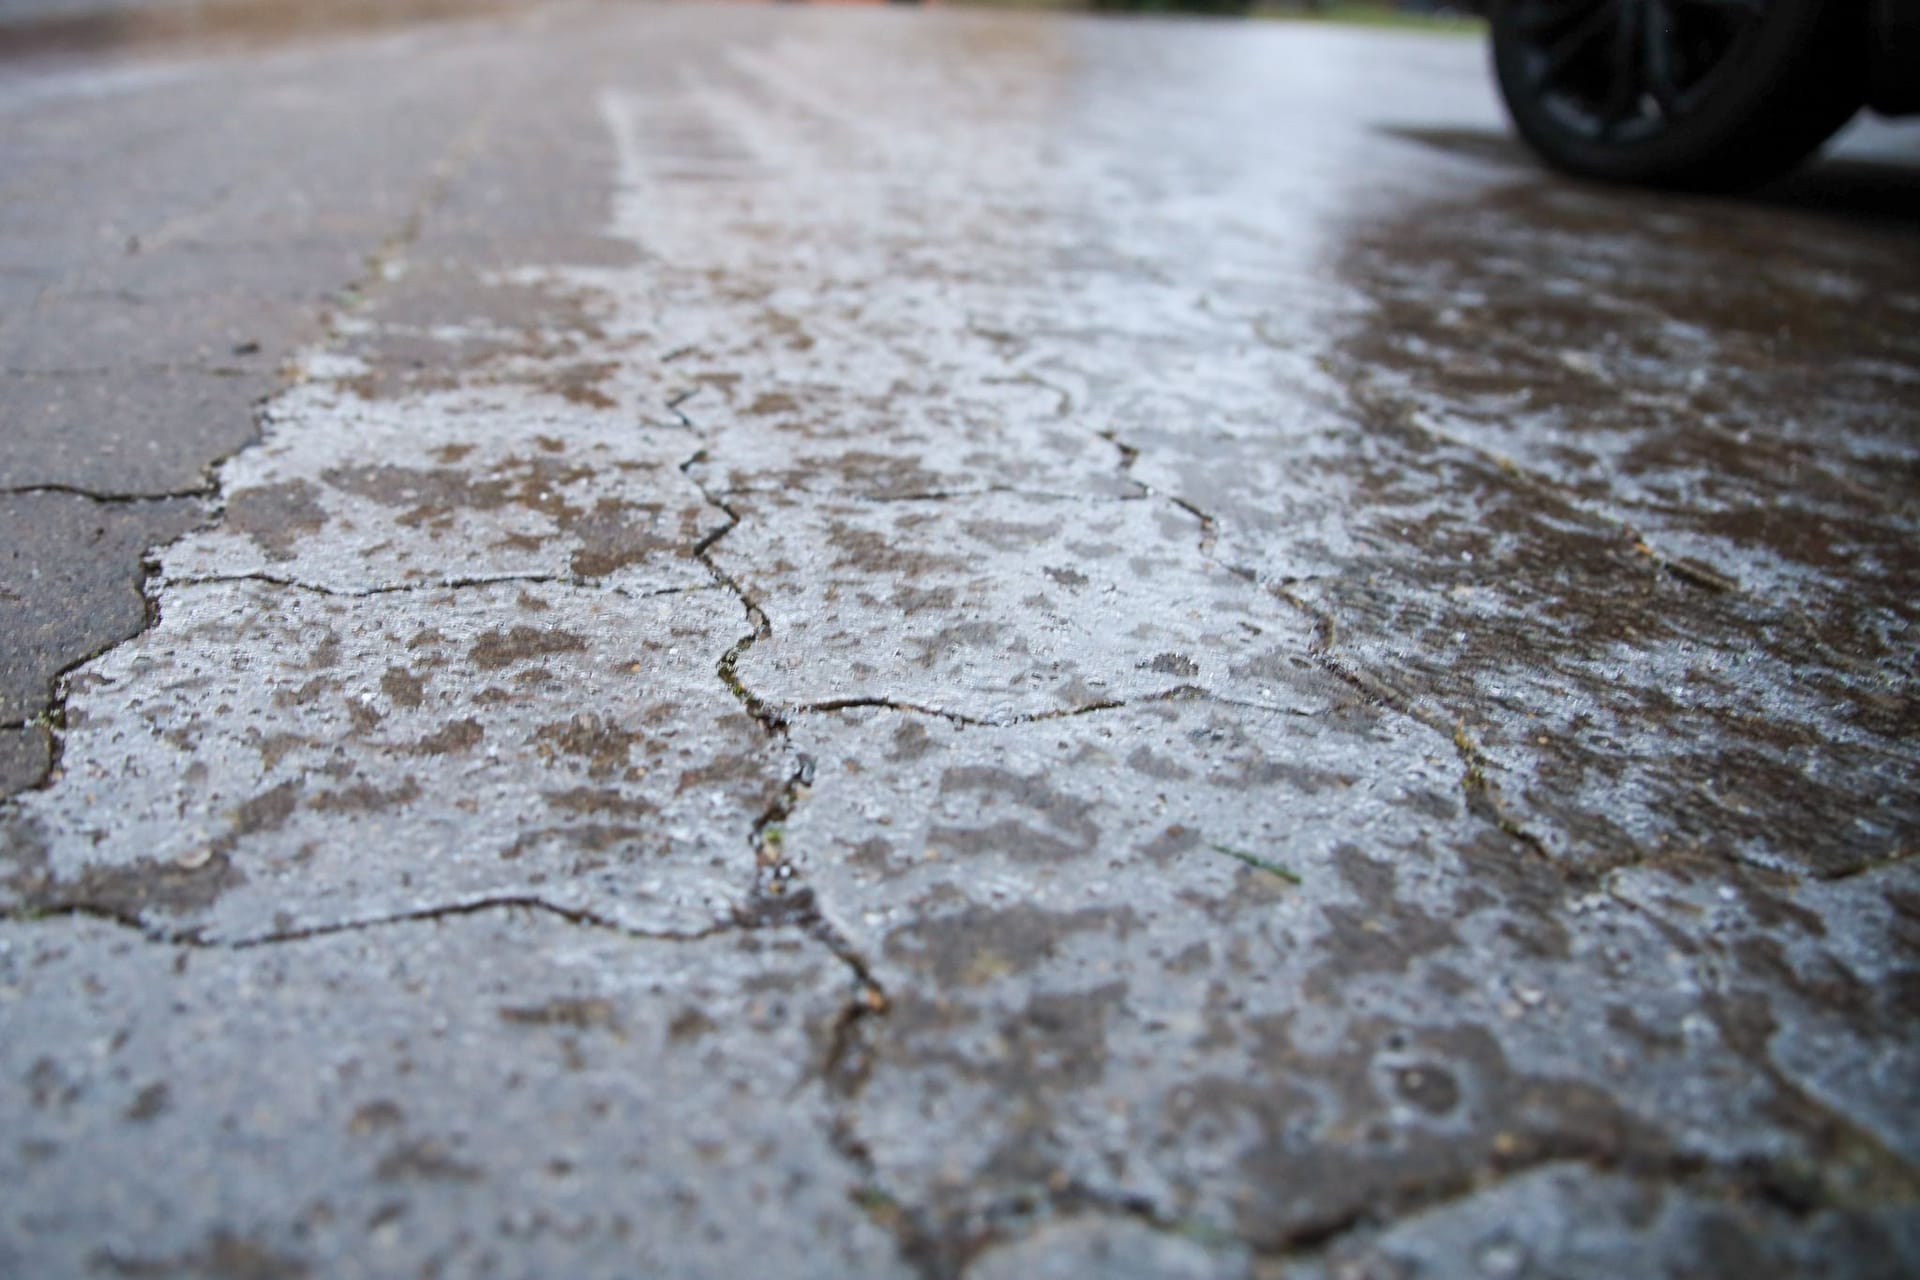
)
(1038, 660)
(596, 760)
(458, 487)
(65, 550)
(572, 1037)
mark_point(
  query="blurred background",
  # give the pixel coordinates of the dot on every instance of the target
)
(86, 23)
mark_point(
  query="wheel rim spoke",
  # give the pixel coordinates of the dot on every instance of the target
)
(1571, 43)
(1740, 10)
(1624, 71)
(1542, 16)
(1659, 42)
(1628, 52)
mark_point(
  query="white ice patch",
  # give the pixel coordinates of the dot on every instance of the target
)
(362, 495)
(339, 759)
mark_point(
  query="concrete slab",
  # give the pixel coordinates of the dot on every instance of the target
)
(523, 740)
(955, 645)
(391, 1089)
(126, 432)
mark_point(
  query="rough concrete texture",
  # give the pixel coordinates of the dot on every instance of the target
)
(285, 745)
(955, 645)
(352, 496)
(25, 755)
(504, 1092)
(125, 432)
(70, 580)
(173, 233)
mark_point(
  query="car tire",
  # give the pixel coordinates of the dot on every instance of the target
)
(1695, 94)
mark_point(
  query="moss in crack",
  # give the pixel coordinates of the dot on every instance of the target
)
(1257, 862)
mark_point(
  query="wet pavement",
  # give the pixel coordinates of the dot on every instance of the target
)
(641, 640)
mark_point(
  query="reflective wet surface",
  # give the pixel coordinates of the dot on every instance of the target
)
(949, 644)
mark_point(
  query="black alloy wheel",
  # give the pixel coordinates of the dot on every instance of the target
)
(1693, 93)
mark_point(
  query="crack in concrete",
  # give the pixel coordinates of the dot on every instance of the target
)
(109, 499)
(768, 829)
(436, 584)
(55, 908)
(762, 712)
(1128, 456)
(1481, 793)
(777, 888)
(1483, 800)
(957, 718)
(145, 366)
(1208, 529)
(847, 1062)
(1128, 453)
(945, 495)
(680, 419)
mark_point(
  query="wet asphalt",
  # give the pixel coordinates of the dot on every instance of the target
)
(638, 640)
